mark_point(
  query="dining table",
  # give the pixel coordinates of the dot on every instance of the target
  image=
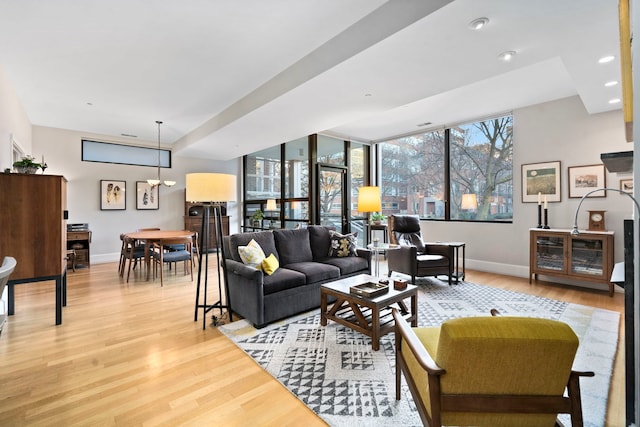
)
(148, 237)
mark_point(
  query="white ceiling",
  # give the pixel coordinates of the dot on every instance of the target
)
(229, 77)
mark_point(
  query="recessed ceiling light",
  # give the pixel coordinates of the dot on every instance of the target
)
(89, 103)
(367, 94)
(614, 101)
(611, 83)
(507, 56)
(478, 24)
(606, 59)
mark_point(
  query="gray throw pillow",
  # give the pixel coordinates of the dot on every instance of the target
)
(343, 245)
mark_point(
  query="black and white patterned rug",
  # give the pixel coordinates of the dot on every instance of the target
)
(334, 371)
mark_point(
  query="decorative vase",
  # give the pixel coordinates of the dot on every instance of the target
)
(377, 222)
(30, 170)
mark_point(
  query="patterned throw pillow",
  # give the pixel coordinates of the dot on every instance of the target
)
(252, 254)
(270, 264)
(342, 245)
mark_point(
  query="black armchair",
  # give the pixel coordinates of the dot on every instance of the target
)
(414, 257)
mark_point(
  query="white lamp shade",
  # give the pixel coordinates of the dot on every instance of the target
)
(369, 199)
(469, 202)
(210, 187)
(271, 205)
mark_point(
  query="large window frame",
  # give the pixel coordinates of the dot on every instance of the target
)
(475, 182)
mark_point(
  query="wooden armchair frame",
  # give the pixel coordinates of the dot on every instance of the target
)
(441, 402)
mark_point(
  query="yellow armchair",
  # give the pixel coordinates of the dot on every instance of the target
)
(490, 371)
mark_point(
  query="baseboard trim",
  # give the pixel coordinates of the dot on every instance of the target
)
(523, 271)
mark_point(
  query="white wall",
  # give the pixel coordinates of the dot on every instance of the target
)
(560, 130)
(13, 122)
(62, 151)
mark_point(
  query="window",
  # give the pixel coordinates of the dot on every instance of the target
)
(296, 166)
(109, 152)
(481, 170)
(412, 175)
(478, 180)
(262, 174)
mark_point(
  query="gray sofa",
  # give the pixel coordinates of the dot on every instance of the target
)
(295, 286)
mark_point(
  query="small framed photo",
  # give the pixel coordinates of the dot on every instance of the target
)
(146, 196)
(541, 180)
(583, 179)
(113, 195)
(626, 185)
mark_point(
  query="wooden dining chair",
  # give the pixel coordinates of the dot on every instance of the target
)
(132, 253)
(160, 256)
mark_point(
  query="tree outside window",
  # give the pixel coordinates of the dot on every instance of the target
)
(413, 172)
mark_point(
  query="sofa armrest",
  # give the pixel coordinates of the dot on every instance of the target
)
(246, 291)
(244, 271)
(364, 253)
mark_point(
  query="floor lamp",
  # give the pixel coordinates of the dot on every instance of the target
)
(211, 189)
(369, 201)
(629, 315)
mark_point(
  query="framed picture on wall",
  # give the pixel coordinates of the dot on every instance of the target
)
(146, 196)
(113, 195)
(583, 179)
(541, 179)
(626, 185)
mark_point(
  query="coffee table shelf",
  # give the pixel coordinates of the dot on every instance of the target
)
(369, 316)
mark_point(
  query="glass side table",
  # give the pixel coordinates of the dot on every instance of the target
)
(377, 249)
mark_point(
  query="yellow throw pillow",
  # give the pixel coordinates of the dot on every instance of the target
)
(270, 264)
(252, 254)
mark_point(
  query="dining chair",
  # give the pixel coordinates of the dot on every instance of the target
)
(160, 256)
(133, 253)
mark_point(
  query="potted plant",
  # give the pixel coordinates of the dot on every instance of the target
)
(27, 165)
(378, 217)
(257, 218)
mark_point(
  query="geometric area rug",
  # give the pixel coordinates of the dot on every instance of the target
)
(334, 371)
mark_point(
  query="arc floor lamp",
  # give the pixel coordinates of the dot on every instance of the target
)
(211, 189)
(631, 373)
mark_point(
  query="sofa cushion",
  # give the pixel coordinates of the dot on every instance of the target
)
(263, 238)
(342, 245)
(283, 279)
(315, 271)
(319, 240)
(293, 246)
(270, 264)
(252, 254)
(348, 265)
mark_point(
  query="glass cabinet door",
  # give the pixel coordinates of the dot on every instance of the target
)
(550, 253)
(587, 256)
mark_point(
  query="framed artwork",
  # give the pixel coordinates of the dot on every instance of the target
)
(626, 185)
(583, 179)
(113, 195)
(146, 196)
(541, 179)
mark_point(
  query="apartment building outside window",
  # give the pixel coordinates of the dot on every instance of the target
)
(463, 172)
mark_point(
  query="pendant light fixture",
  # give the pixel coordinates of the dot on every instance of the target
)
(156, 182)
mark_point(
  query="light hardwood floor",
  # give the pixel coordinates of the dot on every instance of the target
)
(131, 355)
